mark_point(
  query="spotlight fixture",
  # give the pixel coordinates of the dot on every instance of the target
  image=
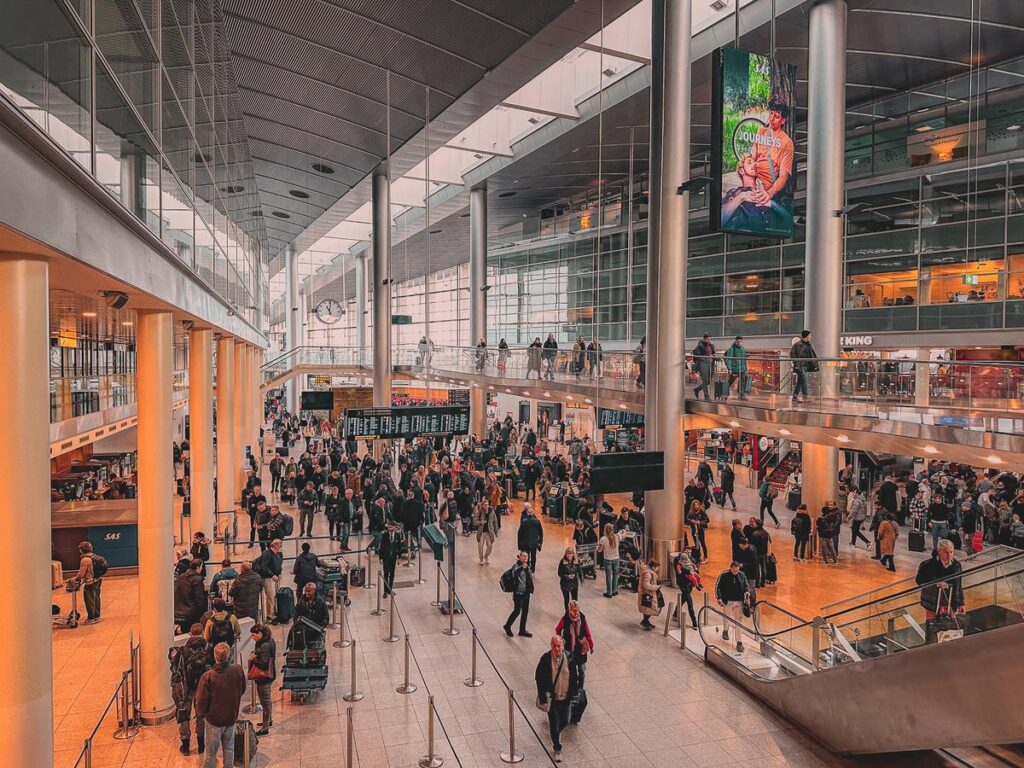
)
(696, 184)
(993, 459)
(88, 314)
(930, 449)
(785, 432)
(114, 299)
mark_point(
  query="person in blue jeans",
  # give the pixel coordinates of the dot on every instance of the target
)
(608, 548)
(218, 698)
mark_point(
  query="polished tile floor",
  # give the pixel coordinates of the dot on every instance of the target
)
(649, 702)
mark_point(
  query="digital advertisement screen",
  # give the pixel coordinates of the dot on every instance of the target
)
(753, 112)
(395, 423)
(317, 400)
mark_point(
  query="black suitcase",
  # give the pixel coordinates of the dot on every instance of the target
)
(721, 390)
(240, 729)
(577, 707)
(356, 576)
(915, 541)
(793, 500)
(285, 604)
(771, 571)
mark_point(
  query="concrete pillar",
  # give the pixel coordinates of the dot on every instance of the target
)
(240, 402)
(477, 299)
(226, 475)
(381, 291)
(26, 738)
(666, 317)
(200, 407)
(922, 378)
(291, 320)
(156, 512)
(823, 297)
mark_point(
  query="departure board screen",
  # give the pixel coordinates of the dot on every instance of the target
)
(394, 423)
(608, 417)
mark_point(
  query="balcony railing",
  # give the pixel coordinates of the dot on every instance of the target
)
(74, 396)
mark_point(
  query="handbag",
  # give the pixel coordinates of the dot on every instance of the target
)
(647, 600)
(661, 599)
(256, 674)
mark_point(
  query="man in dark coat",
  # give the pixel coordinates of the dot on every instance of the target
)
(245, 592)
(190, 597)
(530, 538)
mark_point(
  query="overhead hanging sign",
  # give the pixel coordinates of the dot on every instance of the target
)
(396, 423)
(753, 110)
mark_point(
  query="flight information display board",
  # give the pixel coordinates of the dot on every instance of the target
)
(395, 423)
(608, 417)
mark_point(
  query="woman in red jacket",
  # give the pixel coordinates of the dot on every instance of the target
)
(579, 643)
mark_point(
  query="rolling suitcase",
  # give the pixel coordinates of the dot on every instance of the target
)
(577, 707)
(285, 604)
(771, 570)
(915, 541)
(356, 576)
(721, 390)
(719, 495)
(241, 727)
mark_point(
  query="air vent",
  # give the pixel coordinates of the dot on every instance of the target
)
(609, 72)
(718, 5)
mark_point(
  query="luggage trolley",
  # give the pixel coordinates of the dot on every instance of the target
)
(330, 573)
(305, 660)
(587, 554)
(73, 617)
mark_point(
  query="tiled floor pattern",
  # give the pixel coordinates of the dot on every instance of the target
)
(650, 704)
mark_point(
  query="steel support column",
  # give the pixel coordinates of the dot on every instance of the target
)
(291, 320)
(666, 317)
(26, 738)
(381, 290)
(156, 513)
(823, 297)
(361, 310)
(200, 407)
(477, 300)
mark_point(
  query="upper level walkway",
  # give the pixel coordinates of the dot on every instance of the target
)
(966, 411)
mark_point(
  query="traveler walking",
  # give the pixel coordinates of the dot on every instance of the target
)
(698, 520)
(308, 501)
(727, 481)
(533, 358)
(687, 578)
(549, 354)
(804, 362)
(485, 520)
(767, 494)
(733, 592)
(218, 698)
(519, 580)
(579, 643)
(886, 535)
(704, 365)
(388, 547)
(276, 471)
(569, 577)
(90, 577)
(556, 687)
(530, 536)
(648, 594)
(736, 363)
(263, 671)
(608, 549)
(856, 514)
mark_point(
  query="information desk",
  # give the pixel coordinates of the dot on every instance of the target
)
(111, 526)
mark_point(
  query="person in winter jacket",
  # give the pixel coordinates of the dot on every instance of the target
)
(732, 591)
(522, 588)
(736, 363)
(856, 514)
(189, 663)
(305, 567)
(190, 597)
(886, 535)
(800, 527)
(569, 576)
(485, 520)
(804, 362)
(218, 699)
(647, 592)
(530, 536)
(704, 365)
(579, 643)
(222, 626)
(942, 591)
(263, 672)
(227, 574)
(245, 592)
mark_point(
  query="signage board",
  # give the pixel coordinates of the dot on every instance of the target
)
(395, 423)
(753, 157)
(609, 417)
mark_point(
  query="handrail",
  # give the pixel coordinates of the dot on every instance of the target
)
(903, 593)
(87, 746)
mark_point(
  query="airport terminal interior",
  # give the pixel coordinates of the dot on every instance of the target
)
(494, 382)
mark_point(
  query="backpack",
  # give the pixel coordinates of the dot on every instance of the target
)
(508, 581)
(794, 526)
(99, 566)
(221, 631)
(187, 666)
(287, 525)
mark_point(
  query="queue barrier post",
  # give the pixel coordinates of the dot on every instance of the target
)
(392, 637)
(406, 686)
(430, 760)
(334, 608)
(511, 756)
(379, 610)
(341, 642)
(473, 681)
(353, 694)
(437, 599)
(126, 729)
(254, 706)
(451, 631)
(349, 739)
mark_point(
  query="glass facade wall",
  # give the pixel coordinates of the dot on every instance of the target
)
(147, 105)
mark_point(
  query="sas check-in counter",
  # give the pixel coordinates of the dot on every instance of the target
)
(111, 526)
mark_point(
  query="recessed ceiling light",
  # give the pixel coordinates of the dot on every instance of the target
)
(930, 449)
(547, 394)
(491, 388)
(299, 194)
(1014, 127)
(842, 438)
(126, 323)
(508, 391)
(568, 397)
(525, 392)
(734, 423)
(588, 400)
(994, 460)
(88, 314)
(321, 168)
(281, 214)
(785, 432)
(622, 405)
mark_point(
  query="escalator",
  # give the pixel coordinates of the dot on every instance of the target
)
(872, 674)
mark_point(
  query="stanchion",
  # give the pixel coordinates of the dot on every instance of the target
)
(253, 707)
(88, 753)
(350, 740)
(261, 610)
(408, 553)
(451, 631)
(473, 681)
(334, 608)
(511, 756)
(406, 686)
(341, 642)
(430, 760)
(125, 730)
(437, 600)
(668, 618)
(353, 694)
(681, 618)
(392, 637)
(247, 746)
(378, 611)
(419, 569)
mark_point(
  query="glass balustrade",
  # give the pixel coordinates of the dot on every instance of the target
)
(74, 396)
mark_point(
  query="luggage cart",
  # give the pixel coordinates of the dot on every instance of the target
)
(72, 619)
(587, 554)
(305, 664)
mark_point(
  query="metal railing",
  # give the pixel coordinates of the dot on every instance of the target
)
(124, 704)
(74, 396)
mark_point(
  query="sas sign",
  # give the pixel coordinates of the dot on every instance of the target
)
(855, 341)
(112, 537)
